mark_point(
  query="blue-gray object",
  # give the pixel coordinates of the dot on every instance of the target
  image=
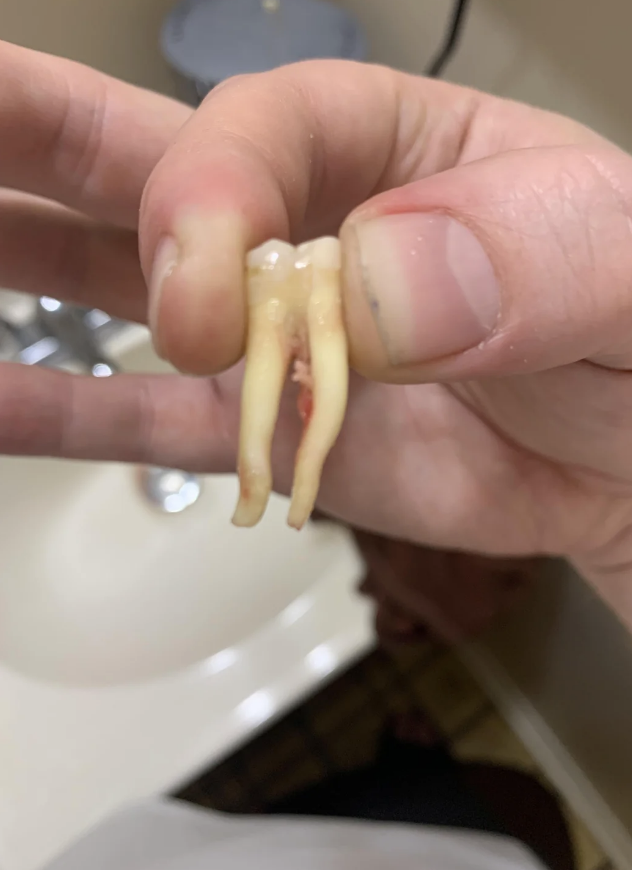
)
(207, 41)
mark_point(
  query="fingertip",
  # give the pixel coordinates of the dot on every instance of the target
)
(197, 295)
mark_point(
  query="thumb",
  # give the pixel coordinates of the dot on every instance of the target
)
(516, 263)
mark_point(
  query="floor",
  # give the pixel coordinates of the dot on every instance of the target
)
(337, 730)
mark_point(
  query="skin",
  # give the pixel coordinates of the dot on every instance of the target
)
(519, 445)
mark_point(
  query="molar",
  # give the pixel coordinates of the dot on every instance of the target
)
(294, 316)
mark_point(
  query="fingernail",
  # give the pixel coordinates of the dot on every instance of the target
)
(429, 283)
(165, 262)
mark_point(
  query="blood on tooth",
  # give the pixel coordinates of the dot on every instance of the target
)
(302, 376)
(305, 404)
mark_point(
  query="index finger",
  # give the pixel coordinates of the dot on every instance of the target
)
(75, 135)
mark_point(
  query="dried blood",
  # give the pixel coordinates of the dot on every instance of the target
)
(302, 375)
(305, 403)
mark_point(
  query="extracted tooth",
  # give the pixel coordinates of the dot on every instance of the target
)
(294, 314)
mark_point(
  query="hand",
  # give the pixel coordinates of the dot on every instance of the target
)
(493, 426)
(487, 274)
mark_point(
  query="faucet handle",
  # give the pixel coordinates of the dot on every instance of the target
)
(48, 332)
(23, 339)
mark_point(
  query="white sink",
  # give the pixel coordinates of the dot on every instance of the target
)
(137, 647)
(100, 589)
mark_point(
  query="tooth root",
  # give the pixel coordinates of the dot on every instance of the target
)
(330, 375)
(267, 359)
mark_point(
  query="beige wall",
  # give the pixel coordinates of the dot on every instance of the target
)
(569, 55)
(589, 41)
(117, 36)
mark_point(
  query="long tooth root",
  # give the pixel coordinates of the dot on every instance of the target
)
(319, 263)
(294, 300)
(269, 275)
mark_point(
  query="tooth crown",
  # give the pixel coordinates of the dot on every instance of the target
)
(323, 253)
(274, 256)
(294, 313)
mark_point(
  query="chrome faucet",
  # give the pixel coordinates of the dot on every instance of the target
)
(57, 335)
(78, 332)
(65, 336)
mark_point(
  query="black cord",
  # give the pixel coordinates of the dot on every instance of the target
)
(452, 37)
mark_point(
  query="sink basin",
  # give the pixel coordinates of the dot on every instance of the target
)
(137, 647)
(116, 592)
